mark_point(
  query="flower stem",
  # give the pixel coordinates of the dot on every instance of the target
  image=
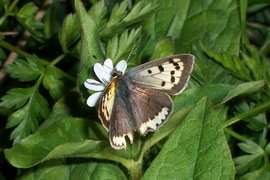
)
(234, 134)
(57, 60)
(261, 108)
(13, 4)
(13, 48)
(243, 7)
(135, 170)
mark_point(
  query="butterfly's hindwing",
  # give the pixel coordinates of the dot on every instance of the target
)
(150, 107)
(120, 122)
(169, 74)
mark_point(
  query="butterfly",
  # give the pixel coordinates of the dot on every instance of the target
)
(139, 100)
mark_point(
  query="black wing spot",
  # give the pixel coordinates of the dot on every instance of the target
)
(177, 67)
(175, 64)
(172, 79)
(163, 83)
(107, 112)
(172, 72)
(171, 61)
(161, 68)
(149, 71)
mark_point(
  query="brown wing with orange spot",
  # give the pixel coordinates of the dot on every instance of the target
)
(106, 105)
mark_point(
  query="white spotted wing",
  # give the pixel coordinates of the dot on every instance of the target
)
(169, 74)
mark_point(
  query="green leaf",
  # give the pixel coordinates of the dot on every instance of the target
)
(255, 123)
(25, 70)
(232, 63)
(140, 11)
(251, 161)
(124, 47)
(60, 110)
(26, 17)
(28, 11)
(34, 148)
(26, 119)
(112, 47)
(222, 112)
(69, 34)
(16, 97)
(163, 48)
(190, 21)
(207, 71)
(120, 19)
(64, 138)
(74, 169)
(243, 88)
(171, 124)
(262, 173)
(69, 106)
(193, 95)
(197, 149)
(118, 13)
(53, 81)
(252, 65)
(89, 45)
(267, 148)
(218, 94)
(98, 12)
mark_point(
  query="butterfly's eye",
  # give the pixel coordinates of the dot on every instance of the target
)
(115, 74)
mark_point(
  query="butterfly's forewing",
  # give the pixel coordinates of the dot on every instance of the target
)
(106, 105)
(169, 74)
(150, 107)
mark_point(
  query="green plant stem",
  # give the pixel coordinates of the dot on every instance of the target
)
(13, 4)
(135, 169)
(259, 26)
(261, 108)
(234, 134)
(66, 75)
(11, 7)
(243, 7)
(57, 60)
(13, 49)
(25, 54)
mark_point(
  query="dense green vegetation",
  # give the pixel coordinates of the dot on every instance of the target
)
(219, 128)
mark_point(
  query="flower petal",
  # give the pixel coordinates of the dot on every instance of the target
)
(94, 85)
(108, 66)
(121, 66)
(93, 99)
(104, 76)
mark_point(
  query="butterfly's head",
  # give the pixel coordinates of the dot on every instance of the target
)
(116, 73)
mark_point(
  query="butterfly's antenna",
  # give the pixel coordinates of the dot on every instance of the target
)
(101, 48)
(133, 47)
(196, 79)
(98, 59)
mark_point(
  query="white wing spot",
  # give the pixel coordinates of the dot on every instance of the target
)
(154, 123)
(119, 142)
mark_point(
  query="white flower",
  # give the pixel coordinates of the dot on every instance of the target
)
(104, 73)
